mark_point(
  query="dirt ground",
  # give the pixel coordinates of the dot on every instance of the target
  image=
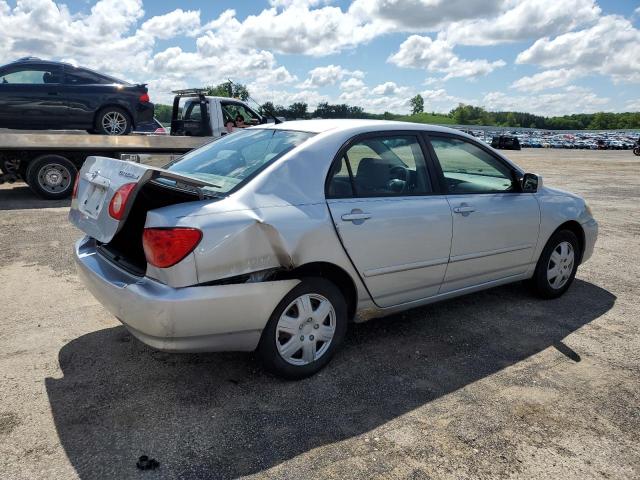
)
(497, 384)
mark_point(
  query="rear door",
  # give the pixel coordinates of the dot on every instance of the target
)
(495, 225)
(393, 223)
(30, 97)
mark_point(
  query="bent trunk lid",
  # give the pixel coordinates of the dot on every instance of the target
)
(98, 181)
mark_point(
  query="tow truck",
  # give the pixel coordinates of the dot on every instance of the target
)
(49, 162)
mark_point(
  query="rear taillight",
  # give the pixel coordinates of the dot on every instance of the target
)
(160, 131)
(144, 98)
(118, 203)
(74, 192)
(164, 247)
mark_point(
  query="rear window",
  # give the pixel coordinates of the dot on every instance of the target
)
(227, 162)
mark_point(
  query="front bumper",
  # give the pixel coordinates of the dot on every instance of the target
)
(190, 319)
(590, 236)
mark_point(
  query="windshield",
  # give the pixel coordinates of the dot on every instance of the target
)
(226, 162)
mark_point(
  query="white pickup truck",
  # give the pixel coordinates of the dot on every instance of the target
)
(49, 162)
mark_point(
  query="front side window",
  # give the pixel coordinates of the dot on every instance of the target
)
(469, 169)
(32, 76)
(380, 166)
(236, 111)
(227, 162)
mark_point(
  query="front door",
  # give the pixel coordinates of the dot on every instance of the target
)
(395, 229)
(495, 225)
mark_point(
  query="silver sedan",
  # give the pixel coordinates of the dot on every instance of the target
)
(276, 237)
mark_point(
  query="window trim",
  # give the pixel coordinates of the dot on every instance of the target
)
(436, 188)
(515, 174)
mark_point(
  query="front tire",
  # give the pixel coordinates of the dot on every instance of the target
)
(305, 330)
(51, 176)
(557, 265)
(113, 121)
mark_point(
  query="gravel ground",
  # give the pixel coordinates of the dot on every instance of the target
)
(493, 385)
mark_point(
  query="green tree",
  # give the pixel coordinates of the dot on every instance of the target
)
(229, 89)
(417, 104)
(298, 110)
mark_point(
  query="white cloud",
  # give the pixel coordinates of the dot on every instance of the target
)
(421, 15)
(329, 75)
(389, 88)
(438, 56)
(571, 100)
(172, 24)
(634, 105)
(610, 47)
(523, 20)
(547, 80)
(352, 84)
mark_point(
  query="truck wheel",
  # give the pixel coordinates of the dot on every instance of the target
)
(113, 121)
(51, 176)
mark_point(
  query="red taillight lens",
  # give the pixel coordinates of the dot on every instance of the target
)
(144, 98)
(118, 203)
(164, 247)
(74, 192)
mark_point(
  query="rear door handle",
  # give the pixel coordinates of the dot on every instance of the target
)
(464, 209)
(356, 216)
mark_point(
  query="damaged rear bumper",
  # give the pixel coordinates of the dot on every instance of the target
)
(189, 319)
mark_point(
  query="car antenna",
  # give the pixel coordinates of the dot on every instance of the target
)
(269, 113)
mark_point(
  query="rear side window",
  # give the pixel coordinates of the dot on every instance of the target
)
(381, 166)
(79, 76)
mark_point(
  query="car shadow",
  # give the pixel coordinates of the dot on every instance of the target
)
(221, 416)
(19, 196)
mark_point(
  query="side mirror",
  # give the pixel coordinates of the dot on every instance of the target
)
(531, 183)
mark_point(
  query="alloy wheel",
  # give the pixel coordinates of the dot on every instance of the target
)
(114, 123)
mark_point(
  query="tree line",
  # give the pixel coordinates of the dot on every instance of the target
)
(460, 115)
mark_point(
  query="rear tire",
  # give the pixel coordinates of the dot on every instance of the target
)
(113, 121)
(51, 176)
(305, 330)
(557, 265)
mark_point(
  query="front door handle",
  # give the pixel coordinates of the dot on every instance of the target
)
(464, 209)
(356, 216)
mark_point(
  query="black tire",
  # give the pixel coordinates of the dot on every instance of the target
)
(540, 282)
(267, 349)
(41, 176)
(102, 120)
(636, 151)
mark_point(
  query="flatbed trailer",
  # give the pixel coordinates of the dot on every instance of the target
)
(48, 162)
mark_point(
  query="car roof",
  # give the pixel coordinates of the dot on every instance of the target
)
(356, 125)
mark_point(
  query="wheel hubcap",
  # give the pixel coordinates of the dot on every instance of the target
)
(305, 329)
(560, 265)
(54, 178)
(114, 123)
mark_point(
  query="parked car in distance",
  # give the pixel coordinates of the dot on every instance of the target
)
(505, 142)
(276, 237)
(44, 95)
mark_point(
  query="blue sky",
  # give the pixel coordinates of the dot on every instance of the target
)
(543, 56)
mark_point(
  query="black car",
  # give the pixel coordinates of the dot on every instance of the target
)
(505, 142)
(38, 95)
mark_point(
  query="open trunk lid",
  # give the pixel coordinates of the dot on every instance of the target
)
(99, 180)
